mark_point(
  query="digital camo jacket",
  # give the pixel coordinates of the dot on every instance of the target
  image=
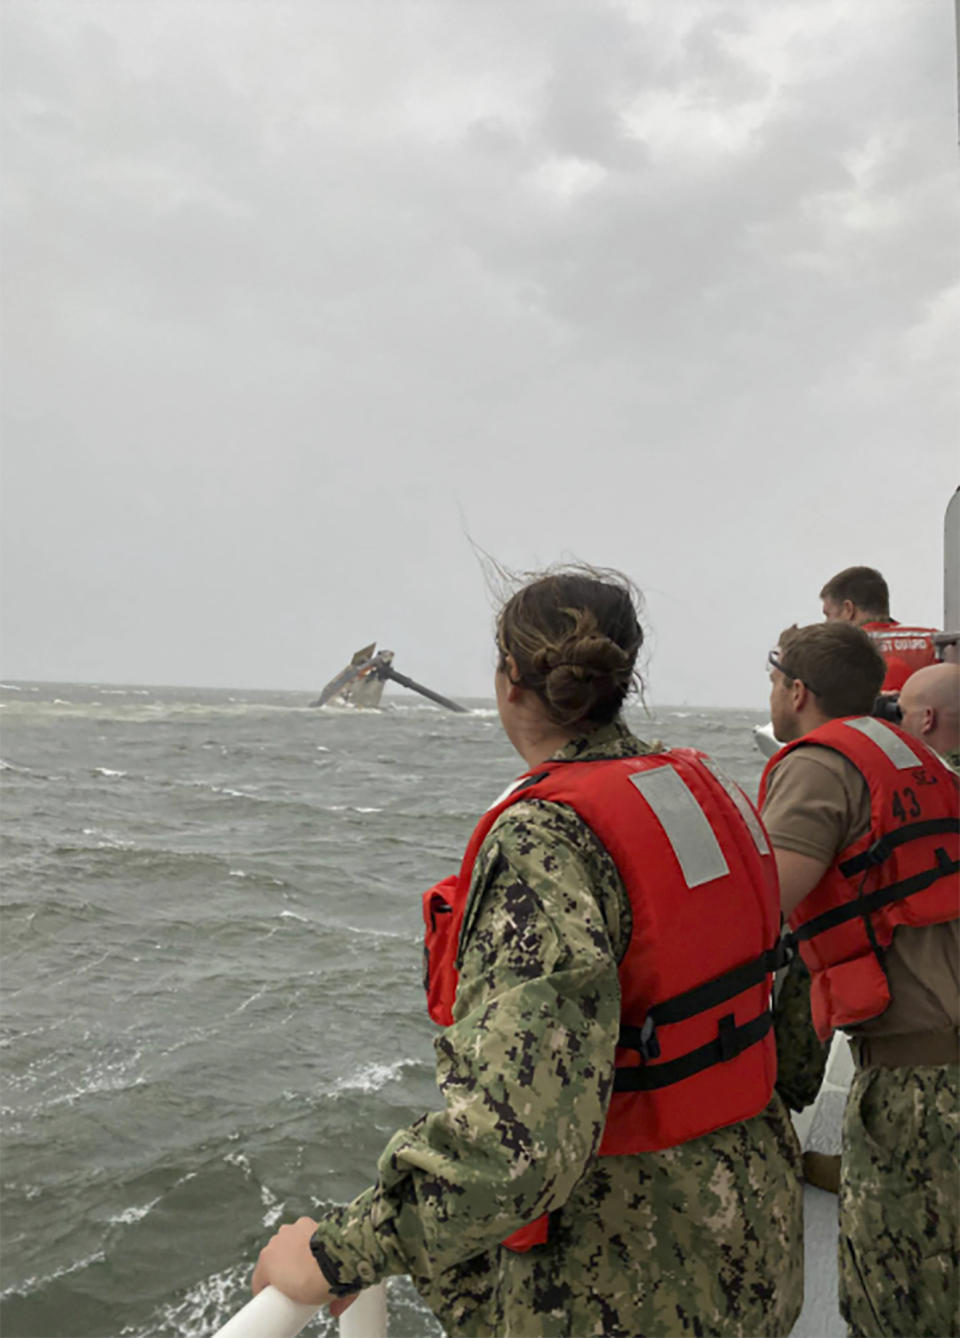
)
(703, 1238)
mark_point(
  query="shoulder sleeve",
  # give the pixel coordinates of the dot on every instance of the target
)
(816, 803)
(525, 1071)
(542, 857)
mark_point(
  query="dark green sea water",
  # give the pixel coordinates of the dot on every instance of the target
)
(212, 1018)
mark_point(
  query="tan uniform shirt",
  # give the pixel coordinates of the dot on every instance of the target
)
(817, 804)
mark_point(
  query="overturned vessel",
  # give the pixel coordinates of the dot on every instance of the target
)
(361, 683)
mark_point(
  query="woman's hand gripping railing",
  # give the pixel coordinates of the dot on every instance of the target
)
(272, 1315)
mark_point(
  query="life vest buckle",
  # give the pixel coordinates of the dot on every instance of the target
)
(784, 952)
(876, 854)
(727, 1038)
(945, 864)
(649, 1044)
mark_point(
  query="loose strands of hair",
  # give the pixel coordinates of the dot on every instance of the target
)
(503, 583)
(574, 635)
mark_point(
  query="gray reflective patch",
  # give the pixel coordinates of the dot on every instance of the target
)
(685, 823)
(900, 754)
(744, 807)
(509, 790)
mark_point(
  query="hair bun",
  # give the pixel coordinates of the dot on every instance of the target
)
(574, 637)
(565, 669)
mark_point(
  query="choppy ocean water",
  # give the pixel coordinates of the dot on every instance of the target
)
(212, 1018)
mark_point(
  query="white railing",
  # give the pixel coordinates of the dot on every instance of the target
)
(273, 1315)
(819, 1126)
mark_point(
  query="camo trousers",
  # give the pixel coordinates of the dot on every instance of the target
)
(899, 1237)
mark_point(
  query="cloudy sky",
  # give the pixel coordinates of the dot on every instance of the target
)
(301, 298)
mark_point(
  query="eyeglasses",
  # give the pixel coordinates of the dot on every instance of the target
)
(773, 658)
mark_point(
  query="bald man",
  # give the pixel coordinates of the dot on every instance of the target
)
(930, 706)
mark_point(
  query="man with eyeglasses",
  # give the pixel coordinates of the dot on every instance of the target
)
(864, 824)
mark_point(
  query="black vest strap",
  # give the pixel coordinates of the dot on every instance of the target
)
(858, 907)
(883, 848)
(708, 995)
(731, 1041)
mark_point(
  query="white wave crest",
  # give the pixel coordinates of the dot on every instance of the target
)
(348, 708)
(204, 1307)
(236, 794)
(34, 1284)
(133, 1214)
(372, 1077)
(252, 999)
(273, 1206)
(107, 840)
(116, 1075)
(106, 771)
(371, 933)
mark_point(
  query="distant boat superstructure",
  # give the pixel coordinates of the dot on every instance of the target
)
(361, 683)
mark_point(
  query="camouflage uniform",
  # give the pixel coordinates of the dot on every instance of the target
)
(901, 1143)
(701, 1238)
(953, 760)
(897, 1247)
(801, 1055)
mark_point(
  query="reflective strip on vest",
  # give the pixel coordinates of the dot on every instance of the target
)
(744, 807)
(509, 790)
(899, 753)
(686, 825)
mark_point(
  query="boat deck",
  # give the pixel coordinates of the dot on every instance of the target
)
(820, 1317)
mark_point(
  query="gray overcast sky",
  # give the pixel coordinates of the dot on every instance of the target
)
(296, 294)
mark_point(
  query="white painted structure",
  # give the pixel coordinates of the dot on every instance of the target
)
(367, 1317)
(766, 740)
(819, 1127)
(273, 1315)
(269, 1315)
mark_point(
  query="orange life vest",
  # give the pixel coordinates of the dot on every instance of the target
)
(905, 649)
(902, 872)
(696, 1049)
